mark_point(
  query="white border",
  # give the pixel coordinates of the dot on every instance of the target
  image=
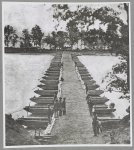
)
(4, 139)
(69, 145)
(130, 73)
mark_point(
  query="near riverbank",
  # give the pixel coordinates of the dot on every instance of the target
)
(16, 134)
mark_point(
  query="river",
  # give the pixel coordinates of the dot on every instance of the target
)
(99, 66)
(22, 73)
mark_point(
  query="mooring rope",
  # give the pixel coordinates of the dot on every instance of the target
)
(16, 111)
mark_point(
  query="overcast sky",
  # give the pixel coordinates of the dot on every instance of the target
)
(26, 15)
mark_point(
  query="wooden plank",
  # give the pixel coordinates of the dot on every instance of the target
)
(37, 110)
(51, 77)
(48, 87)
(104, 110)
(92, 87)
(46, 93)
(95, 92)
(52, 82)
(42, 100)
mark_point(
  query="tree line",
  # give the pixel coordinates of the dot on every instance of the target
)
(26, 39)
(55, 39)
(78, 33)
(79, 24)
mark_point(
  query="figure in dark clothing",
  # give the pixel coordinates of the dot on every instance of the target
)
(62, 79)
(86, 88)
(87, 98)
(95, 115)
(64, 106)
(90, 104)
(60, 106)
(75, 64)
(99, 127)
(56, 108)
(112, 136)
(49, 114)
(94, 124)
(55, 96)
(61, 64)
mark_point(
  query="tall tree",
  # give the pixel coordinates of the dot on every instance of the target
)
(54, 41)
(49, 40)
(73, 33)
(8, 34)
(37, 35)
(61, 39)
(121, 46)
(126, 38)
(26, 38)
(14, 39)
(78, 21)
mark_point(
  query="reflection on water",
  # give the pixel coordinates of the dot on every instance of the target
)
(22, 74)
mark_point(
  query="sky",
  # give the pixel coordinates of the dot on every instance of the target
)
(23, 15)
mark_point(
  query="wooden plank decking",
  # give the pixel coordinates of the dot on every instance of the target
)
(76, 126)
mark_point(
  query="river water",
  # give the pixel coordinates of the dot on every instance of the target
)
(22, 73)
(98, 67)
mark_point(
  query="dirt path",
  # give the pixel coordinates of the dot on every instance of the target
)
(76, 126)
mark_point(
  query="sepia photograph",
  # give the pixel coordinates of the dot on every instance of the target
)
(66, 74)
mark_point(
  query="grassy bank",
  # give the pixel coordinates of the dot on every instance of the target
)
(120, 135)
(17, 134)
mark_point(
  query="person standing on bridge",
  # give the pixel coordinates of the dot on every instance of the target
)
(49, 114)
(86, 88)
(61, 64)
(75, 64)
(56, 108)
(90, 104)
(60, 106)
(55, 96)
(87, 98)
(95, 124)
(64, 106)
(99, 127)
